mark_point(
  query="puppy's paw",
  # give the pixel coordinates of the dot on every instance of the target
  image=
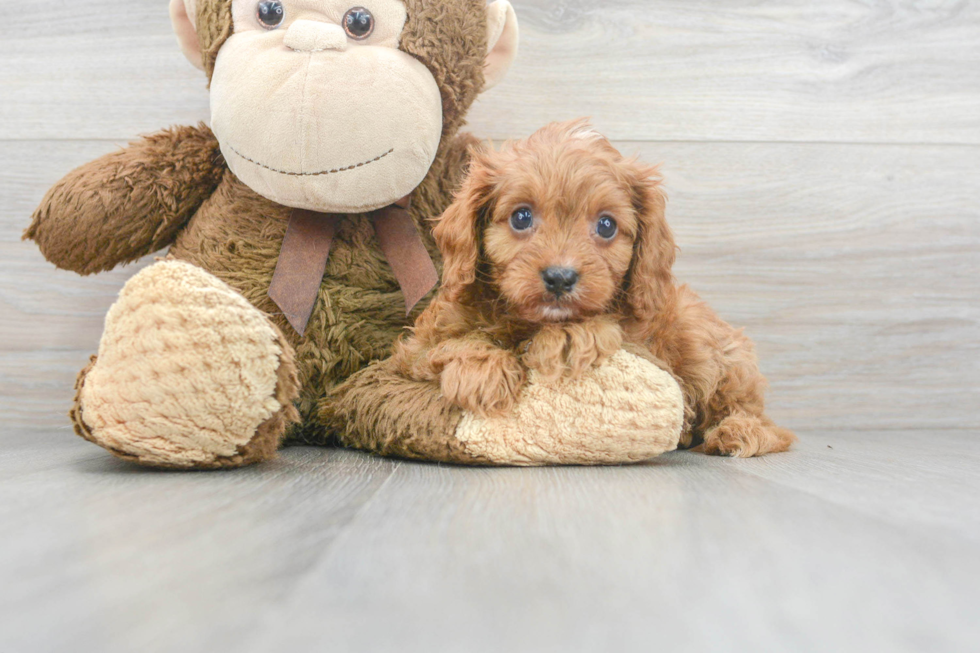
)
(745, 436)
(545, 352)
(485, 382)
(590, 344)
(568, 350)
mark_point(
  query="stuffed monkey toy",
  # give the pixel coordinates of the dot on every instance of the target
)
(299, 235)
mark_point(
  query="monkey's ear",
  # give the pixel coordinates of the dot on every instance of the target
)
(182, 14)
(502, 38)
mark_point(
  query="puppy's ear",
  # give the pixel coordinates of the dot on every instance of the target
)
(459, 229)
(650, 282)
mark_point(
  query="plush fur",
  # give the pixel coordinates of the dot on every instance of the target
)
(198, 368)
(448, 36)
(189, 375)
(174, 189)
(625, 410)
(495, 318)
(128, 204)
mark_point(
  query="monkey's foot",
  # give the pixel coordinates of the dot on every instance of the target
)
(623, 411)
(189, 375)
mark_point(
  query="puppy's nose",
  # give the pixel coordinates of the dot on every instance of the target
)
(315, 36)
(560, 281)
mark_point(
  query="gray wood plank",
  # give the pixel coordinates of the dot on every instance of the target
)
(747, 71)
(70, 72)
(804, 551)
(685, 554)
(922, 480)
(738, 71)
(127, 559)
(50, 320)
(855, 267)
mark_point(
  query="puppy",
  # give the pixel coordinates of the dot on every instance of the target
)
(556, 254)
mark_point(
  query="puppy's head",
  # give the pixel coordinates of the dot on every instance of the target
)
(562, 226)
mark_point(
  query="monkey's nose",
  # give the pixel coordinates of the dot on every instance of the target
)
(560, 281)
(315, 36)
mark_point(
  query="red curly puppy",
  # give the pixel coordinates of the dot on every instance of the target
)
(556, 253)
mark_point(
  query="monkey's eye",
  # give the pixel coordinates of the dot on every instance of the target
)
(358, 23)
(606, 228)
(522, 219)
(271, 14)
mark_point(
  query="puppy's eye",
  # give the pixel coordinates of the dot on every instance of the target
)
(606, 228)
(358, 23)
(522, 219)
(271, 14)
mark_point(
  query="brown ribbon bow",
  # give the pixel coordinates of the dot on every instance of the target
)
(306, 248)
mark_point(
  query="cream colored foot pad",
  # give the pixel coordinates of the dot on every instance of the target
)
(186, 370)
(626, 410)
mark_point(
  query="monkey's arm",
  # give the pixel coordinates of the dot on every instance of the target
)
(127, 204)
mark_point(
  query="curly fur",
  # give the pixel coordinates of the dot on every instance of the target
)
(494, 317)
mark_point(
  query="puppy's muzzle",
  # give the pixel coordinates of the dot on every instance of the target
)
(560, 281)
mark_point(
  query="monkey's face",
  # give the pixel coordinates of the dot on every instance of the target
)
(315, 106)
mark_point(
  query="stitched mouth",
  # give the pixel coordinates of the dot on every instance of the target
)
(313, 174)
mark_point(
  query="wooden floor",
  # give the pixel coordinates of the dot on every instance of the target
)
(849, 543)
(822, 161)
